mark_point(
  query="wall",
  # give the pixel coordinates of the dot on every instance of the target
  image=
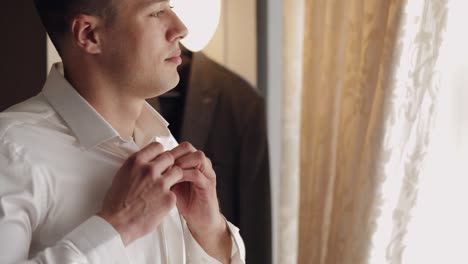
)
(22, 49)
(234, 44)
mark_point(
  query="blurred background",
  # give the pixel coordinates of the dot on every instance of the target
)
(354, 112)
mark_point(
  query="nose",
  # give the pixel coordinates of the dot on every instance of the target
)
(178, 30)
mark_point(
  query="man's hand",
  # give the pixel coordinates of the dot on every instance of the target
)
(197, 201)
(140, 195)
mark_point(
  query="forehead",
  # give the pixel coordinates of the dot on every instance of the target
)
(139, 4)
(146, 3)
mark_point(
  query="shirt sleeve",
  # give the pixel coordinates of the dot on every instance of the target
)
(196, 254)
(24, 195)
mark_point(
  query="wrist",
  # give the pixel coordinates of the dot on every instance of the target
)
(215, 233)
(216, 240)
(118, 224)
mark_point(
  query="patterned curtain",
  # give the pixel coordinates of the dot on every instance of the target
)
(411, 102)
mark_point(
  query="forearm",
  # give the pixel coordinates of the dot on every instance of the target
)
(61, 253)
(94, 241)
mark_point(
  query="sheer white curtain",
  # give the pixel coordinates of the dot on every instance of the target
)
(438, 230)
(423, 216)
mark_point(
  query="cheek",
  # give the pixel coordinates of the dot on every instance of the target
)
(120, 45)
(152, 37)
(142, 44)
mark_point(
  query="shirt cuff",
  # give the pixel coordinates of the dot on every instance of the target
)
(196, 254)
(238, 247)
(98, 241)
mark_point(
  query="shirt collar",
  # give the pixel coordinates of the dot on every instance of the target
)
(89, 127)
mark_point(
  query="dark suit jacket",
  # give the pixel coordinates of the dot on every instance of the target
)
(225, 118)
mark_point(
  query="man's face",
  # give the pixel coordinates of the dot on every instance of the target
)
(141, 47)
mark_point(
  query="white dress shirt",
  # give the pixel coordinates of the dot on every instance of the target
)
(58, 157)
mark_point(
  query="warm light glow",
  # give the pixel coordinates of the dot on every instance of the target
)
(201, 18)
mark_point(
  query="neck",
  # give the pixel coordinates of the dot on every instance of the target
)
(120, 110)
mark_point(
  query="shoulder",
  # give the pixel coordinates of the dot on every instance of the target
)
(29, 122)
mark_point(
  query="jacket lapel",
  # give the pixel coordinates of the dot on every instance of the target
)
(200, 104)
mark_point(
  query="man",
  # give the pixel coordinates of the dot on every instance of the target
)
(89, 173)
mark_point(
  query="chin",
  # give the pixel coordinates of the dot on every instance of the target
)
(163, 88)
(175, 82)
(172, 83)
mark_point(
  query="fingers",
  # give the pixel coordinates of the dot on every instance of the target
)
(196, 177)
(191, 160)
(148, 153)
(182, 149)
(161, 163)
(172, 176)
(196, 160)
(188, 157)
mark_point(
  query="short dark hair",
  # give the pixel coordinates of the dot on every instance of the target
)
(56, 15)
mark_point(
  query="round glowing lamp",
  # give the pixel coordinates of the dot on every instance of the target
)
(201, 18)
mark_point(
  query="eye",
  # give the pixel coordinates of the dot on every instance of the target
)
(161, 12)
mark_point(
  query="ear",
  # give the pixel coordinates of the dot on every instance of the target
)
(86, 34)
